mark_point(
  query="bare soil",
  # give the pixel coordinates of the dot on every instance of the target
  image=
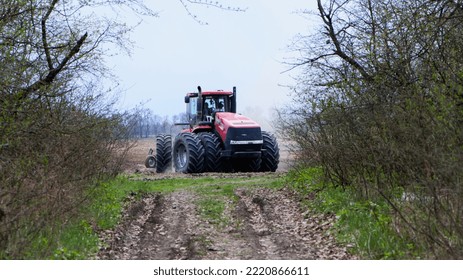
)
(262, 223)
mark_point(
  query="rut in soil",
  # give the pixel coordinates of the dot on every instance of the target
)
(261, 224)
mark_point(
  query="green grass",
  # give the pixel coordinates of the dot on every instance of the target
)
(77, 241)
(366, 225)
(216, 195)
(79, 238)
(213, 199)
(74, 239)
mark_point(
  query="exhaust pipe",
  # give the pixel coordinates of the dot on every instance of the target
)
(233, 101)
(199, 106)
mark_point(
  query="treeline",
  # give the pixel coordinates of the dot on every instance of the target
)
(379, 106)
(59, 134)
(147, 124)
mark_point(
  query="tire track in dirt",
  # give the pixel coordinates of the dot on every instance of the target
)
(281, 231)
(263, 224)
(157, 227)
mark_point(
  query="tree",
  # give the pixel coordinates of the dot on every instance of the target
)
(380, 109)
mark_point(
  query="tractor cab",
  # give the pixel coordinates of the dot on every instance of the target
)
(202, 106)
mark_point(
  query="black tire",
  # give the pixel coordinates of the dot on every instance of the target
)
(188, 153)
(212, 151)
(150, 161)
(163, 152)
(271, 157)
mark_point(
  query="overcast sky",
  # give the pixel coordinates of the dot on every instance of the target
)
(174, 54)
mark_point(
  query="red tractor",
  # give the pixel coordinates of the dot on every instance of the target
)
(217, 140)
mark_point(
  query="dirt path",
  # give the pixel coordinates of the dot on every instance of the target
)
(263, 224)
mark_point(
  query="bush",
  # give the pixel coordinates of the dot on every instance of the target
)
(51, 155)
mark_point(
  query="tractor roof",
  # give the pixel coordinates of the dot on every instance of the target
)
(212, 92)
(217, 92)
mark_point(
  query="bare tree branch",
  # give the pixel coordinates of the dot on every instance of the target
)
(209, 3)
(308, 61)
(55, 71)
(46, 48)
(328, 20)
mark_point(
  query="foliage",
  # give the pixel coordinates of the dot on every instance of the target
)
(368, 227)
(379, 107)
(59, 132)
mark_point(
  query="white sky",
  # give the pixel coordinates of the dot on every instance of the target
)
(174, 54)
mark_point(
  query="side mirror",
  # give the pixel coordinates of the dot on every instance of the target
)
(187, 99)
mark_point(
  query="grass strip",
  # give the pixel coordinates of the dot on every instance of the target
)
(365, 226)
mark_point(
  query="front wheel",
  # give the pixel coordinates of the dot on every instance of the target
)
(212, 150)
(271, 154)
(188, 153)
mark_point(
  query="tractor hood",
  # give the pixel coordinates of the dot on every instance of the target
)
(237, 129)
(241, 136)
(226, 120)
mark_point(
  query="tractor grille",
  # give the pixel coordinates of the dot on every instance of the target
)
(243, 139)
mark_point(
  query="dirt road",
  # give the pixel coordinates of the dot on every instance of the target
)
(265, 224)
(261, 223)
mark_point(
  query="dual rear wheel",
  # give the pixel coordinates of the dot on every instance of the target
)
(188, 153)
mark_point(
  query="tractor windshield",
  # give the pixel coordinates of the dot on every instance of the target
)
(213, 104)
